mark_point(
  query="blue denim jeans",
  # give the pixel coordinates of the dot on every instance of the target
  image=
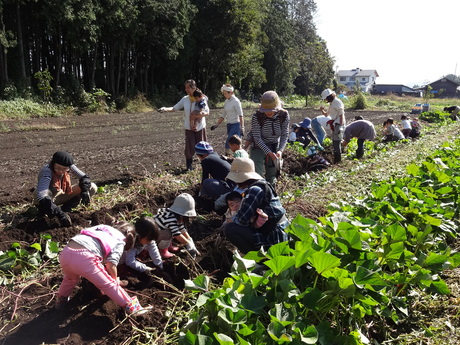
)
(232, 129)
(319, 130)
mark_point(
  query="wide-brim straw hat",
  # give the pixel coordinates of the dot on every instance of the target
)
(269, 102)
(242, 169)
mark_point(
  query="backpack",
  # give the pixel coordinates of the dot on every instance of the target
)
(261, 118)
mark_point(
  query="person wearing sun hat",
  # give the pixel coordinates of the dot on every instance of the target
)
(232, 113)
(259, 194)
(270, 131)
(55, 188)
(214, 171)
(336, 111)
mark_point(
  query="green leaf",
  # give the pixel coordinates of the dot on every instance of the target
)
(308, 335)
(280, 263)
(231, 317)
(282, 315)
(413, 169)
(365, 276)
(441, 287)
(324, 261)
(255, 304)
(431, 220)
(223, 339)
(6, 263)
(199, 284)
(278, 333)
(36, 246)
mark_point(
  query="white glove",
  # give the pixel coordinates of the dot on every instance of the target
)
(162, 109)
(191, 248)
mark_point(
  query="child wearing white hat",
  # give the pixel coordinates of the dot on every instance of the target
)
(172, 223)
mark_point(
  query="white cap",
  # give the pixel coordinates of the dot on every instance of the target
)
(326, 93)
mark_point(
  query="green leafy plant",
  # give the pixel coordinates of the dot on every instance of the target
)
(18, 259)
(434, 116)
(359, 263)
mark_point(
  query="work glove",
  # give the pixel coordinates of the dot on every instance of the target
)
(46, 206)
(64, 219)
(242, 132)
(85, 183)
(162, 109)
(213, 127)
(320, 148)
(85, 198)
(85, 186)
(190, 246)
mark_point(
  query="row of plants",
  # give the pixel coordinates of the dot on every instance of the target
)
(343, 278)
(20, 260)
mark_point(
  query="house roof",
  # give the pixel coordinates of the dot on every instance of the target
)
(449, 77)
(357, 72)
(402, 87)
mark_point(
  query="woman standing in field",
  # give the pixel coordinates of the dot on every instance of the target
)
(233, 113)
(192, 137)
(270, 130)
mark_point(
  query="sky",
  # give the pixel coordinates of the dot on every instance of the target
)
(407, 41)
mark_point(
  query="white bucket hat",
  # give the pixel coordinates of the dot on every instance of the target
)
(326, 93)
(242, 169)
(184, 204)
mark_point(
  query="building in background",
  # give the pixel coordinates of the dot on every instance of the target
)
(365, 77)
(445, 87)
(395, 89)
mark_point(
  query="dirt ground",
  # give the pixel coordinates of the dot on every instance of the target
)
(109, 148)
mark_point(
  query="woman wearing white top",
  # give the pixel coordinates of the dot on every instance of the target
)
(192, 137)
(233, 113)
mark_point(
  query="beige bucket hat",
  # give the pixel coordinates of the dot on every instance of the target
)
(242, 169)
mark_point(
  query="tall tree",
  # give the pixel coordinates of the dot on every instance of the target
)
(280, 59)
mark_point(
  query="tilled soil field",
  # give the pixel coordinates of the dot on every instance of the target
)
(109, 148)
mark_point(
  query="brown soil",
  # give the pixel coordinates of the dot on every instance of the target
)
(110, 148)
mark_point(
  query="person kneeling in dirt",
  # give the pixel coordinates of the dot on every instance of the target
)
(215, 170)
(305, 134)
(144, 235)
(172, 223)
(54, 188)
(242, 231)
(391, 131)
(94, 254)
(362, 130)
(453, 110)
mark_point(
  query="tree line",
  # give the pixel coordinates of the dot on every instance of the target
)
(126, 47)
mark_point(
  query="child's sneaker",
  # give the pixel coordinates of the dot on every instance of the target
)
(165, 254)
(61, 302)
(173, 248)
(134, 307)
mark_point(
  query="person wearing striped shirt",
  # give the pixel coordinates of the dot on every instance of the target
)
(270, 131)
(54, 187)
(172, 223)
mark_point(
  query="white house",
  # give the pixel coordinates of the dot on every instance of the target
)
(365, 77)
